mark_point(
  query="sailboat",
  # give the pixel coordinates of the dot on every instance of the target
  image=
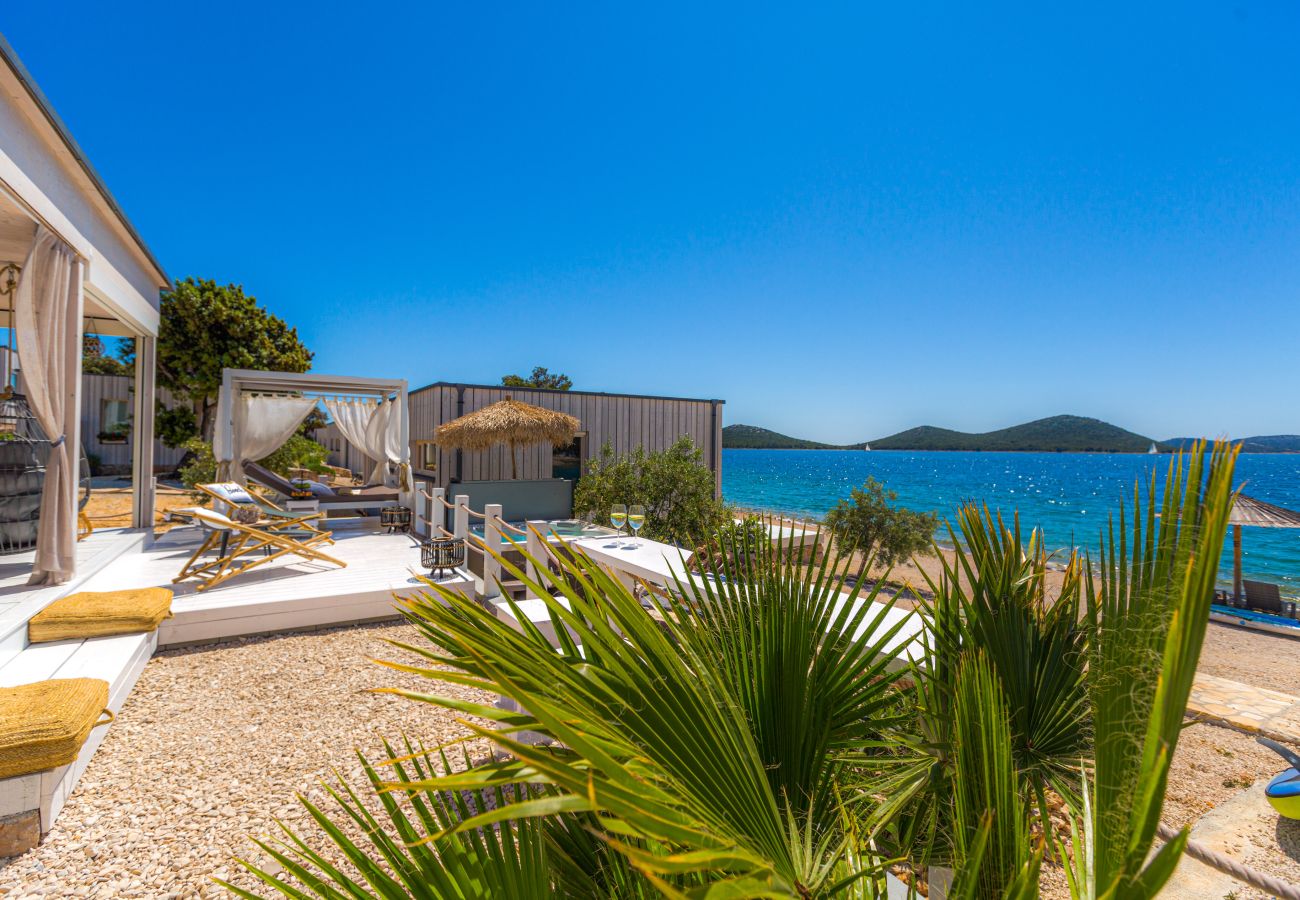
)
(866, 446)
(1153, 449)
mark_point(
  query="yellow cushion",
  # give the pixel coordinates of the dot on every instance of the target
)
(43, 725)
(89, 614)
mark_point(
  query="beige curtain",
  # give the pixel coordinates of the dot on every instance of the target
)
(264, 424)
(353, 418)
(47, 319)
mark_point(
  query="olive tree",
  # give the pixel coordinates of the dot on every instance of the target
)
(870, 522)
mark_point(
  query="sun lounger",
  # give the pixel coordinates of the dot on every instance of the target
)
(365, 498)
(230, 540)
(232, 497)
(1266, 597)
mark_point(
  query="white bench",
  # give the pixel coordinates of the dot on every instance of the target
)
(29, 804)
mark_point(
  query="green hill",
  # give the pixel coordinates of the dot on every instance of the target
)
(751, 437)
(1260, 443)
(1055, 434)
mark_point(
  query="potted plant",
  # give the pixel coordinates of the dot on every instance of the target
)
(115, 434)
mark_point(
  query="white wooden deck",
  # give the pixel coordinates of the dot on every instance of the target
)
(281, 595)
(19, 601)
(118, 660)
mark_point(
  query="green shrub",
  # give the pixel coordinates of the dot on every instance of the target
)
(198, 466)
(673, 485)
(297, 453)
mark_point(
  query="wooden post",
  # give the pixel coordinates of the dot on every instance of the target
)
(1236, 564)
(460, 527)
(492, 541)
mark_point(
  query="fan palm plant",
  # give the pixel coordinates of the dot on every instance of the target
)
(991, 598)
(753, 739)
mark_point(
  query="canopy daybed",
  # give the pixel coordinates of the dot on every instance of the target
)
(257, 412)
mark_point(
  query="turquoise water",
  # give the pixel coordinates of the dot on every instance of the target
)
(1068, 495)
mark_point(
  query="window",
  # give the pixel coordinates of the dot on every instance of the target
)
(427, 455)
(114, 420)
(566, 461)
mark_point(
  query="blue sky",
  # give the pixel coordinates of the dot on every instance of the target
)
(844, 220)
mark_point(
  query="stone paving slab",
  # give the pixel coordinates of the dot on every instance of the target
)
(1250, 709)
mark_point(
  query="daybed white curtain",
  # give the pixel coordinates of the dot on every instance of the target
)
(376, 430)
(47, 319)
(261, 425)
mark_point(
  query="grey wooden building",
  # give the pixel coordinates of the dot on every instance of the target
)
(625, 421)
(106, 423)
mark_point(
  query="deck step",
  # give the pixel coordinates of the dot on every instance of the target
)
(118, 660)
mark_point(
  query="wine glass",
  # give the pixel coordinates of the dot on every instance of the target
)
(635, 519)
(617, 516)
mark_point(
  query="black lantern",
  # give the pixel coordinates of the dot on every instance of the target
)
(440, 555)
(395, 518)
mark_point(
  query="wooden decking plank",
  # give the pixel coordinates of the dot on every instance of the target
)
(37, 662)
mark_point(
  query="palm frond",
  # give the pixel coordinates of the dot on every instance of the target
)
(412, 850)
(1149, 615)
(714, 732)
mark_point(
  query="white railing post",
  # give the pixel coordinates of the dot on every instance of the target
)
(421, 514)
(437, 513)
(492, 542)
(537, 550)
(460, 527)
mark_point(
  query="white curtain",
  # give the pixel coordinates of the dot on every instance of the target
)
(261, 426)
(47, 319)
(376, 430)
(354, 419)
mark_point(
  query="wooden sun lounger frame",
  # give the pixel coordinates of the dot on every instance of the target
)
(286, 521)
(268, 545)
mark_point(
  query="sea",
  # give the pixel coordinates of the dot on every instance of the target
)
(1068, 496)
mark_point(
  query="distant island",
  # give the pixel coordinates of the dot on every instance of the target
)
(1056, 434)
(1260, 443)
(751, 437)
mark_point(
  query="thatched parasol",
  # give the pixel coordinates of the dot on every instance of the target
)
(1249, 511)
(508, 422)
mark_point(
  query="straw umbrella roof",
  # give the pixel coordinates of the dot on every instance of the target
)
(1249, 511)
(508, 422)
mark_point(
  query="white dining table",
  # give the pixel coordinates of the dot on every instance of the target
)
(663, 564)
(658, 563)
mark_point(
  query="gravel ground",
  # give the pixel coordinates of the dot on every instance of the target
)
(1252, 657)
(1214, 764)
(210, 747)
